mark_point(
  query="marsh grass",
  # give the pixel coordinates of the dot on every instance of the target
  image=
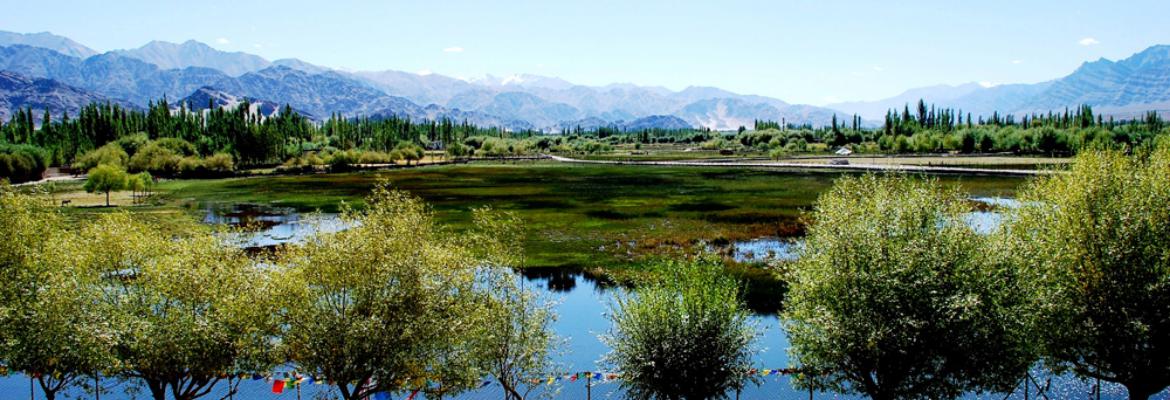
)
(583, 216)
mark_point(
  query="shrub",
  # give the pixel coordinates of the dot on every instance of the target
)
(373, 157)
(692, 324)
(220, 163)
(156, 159)
(178, 146)
(132, 143)
(110, 154)
(189, 166)
(22, 163)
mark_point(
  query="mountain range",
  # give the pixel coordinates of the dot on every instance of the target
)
(196, 71)
(1125, 88)
(18, 91)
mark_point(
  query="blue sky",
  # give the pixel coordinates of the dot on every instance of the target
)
(802, 51)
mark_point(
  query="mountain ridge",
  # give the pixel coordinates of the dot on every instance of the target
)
(1139, 81)
(164, 69)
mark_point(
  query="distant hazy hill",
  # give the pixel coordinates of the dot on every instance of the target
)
(167, 55)
(1143, 78)
(19, 91)
(1127, 87)
(876, 110)
(47, 40)
(206, 97)
(657, 122)
(108, 74)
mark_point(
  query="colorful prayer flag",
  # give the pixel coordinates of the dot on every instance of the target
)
(278, 386)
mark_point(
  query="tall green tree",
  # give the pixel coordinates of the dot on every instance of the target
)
(1095, 243)
(894, 298)
(686, 336)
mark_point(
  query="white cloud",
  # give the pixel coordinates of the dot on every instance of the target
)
(831, 99)
(987, 84)
(1088, 41)
(424, 72)
(878, 68)
(257, 46)
(453, 49)
(1017, 61)
(223, 40)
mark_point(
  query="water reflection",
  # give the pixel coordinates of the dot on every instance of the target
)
(260, 227)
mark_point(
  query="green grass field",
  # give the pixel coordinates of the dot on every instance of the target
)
(576, 215)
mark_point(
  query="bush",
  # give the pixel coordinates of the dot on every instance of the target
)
(110, 154)
(23, 163)
(342, 160)
(189, 166)
(374, 157)
(178, 146)
(156, 159)
(220, 163)
(132, 143)
(693, 324)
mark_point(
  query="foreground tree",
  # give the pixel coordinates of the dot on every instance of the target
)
(515, 341)
(894, 298)
(687, 336)
(189, 312)
(1096, 245)
(50, 330)
(385, 305)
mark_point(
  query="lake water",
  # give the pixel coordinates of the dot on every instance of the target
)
(582, 304)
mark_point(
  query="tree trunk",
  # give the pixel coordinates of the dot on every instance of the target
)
(158, 390)
(107, 198)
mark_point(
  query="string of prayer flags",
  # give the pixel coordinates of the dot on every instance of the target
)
(412, 394)
(382, 396)
(278, 386)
